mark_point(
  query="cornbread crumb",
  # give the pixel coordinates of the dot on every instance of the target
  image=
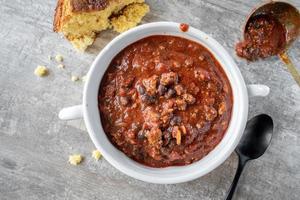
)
(61, 66)
(74, 78)
(83, 42)
(59, 58)
(75, 159)
(96, 154)
(41, 71)
(84, 78)
(130, 17)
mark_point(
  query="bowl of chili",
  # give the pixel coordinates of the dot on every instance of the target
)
(147, 144)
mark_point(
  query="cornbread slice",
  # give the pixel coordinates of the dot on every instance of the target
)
(81, 20)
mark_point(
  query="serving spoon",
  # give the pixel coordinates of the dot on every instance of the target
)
(289, 17)
(255, 141)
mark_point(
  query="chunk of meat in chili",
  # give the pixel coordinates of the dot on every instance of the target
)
(168, 78)
(151, 117)
(154, 136)
(151, 84)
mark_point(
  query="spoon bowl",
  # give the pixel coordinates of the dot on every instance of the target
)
(256, 138)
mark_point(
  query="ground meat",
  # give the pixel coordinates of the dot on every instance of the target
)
(181, 104)
(189, 98)
(168, 78)
(188, 62)
(154, 153)
(110, 90)
(151, 84)
(210, 113)
(124, 101)
(161, 67)
(151, 116)
(127, 82)
(154, 136)
(179, 89)
(168, 106)
(201, 74)
(222, 108)
(194, 89)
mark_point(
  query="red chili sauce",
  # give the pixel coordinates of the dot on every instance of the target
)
(264, 37)
(184, 27)
(165, 101)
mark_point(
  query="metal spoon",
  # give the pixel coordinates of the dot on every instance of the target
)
(255, 141)
(289, 17)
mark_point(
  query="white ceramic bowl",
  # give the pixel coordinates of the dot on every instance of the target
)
(89, 109)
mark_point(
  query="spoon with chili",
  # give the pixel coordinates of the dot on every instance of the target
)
(270, 30)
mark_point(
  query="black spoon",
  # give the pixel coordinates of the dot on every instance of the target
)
(255, 141)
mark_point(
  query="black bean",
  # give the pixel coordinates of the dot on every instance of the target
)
(140, 89)
(141, 135)
(176, 120)
(171, 92)
(170, 129)
(162, 90)
(148, 99)
(166, 138)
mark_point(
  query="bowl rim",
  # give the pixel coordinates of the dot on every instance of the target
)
(175, 174)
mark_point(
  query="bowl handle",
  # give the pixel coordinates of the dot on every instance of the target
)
(258, 90)
(74, 112)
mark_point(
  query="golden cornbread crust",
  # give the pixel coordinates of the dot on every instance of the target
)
(58, 16)
(129, 17)
(88, 5)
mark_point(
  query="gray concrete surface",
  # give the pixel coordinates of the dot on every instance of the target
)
(35, 144)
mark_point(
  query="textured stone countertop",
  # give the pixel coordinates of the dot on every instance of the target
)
(35, 144)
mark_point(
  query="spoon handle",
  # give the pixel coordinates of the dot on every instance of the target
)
(242, 162)
(290, 66)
